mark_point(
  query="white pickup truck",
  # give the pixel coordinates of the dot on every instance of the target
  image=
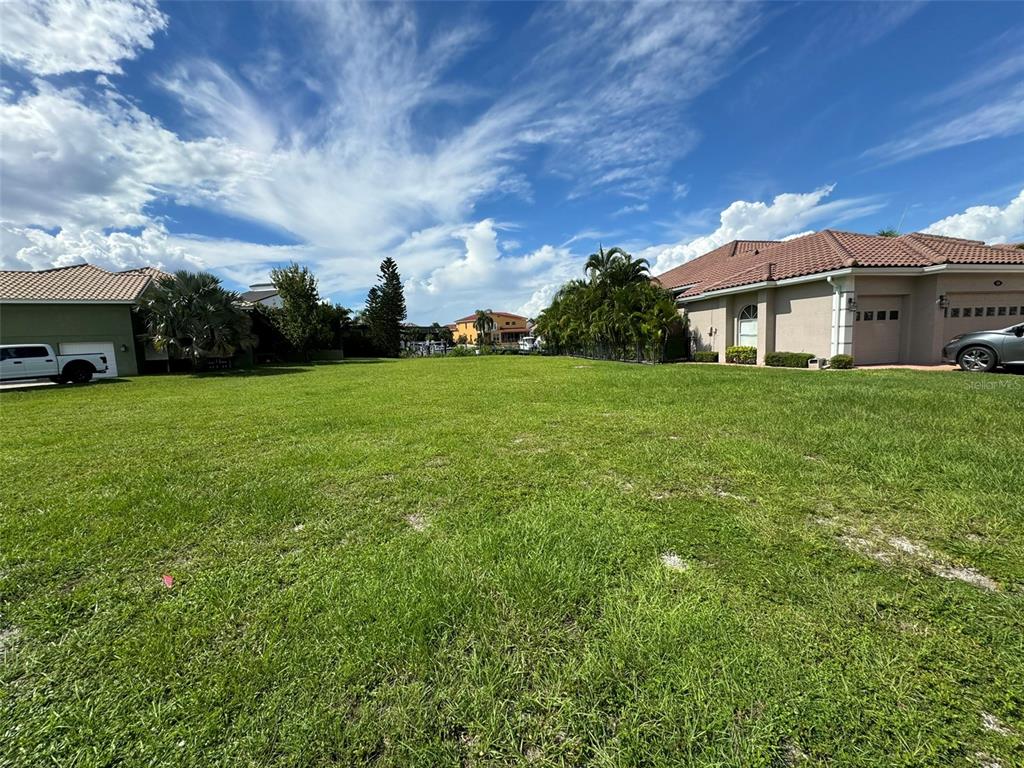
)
(38, 361)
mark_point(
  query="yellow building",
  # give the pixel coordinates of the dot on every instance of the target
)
(506, 328)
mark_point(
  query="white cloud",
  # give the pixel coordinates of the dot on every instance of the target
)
(628, 209)
(785, 216)
(680, 190)
(480, 276)
(53, 37)
(985, 222)
(72, 162)
(33, 248)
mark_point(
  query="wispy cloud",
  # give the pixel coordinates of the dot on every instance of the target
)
(999, 118)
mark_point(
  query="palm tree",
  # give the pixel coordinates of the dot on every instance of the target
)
(190, 315)
(483, 325)
(600, 262)
(888, 232)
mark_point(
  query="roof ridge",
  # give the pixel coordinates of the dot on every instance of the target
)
(946, 237)
(918, 245)
(840, 249)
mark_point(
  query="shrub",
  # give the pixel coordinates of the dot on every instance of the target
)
(461, 352)
(841, 361)
(743, 355)
(705, 357)
(788, 359)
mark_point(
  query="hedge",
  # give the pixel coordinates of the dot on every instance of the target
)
(743, 355)
(705, 357)
(840, 361)
(788, 359)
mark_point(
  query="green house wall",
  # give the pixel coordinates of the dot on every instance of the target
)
(55, 323)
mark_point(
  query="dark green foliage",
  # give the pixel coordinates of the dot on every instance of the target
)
(619, 313)
(888, 232)
(191, 316)
(742, 355)
(385, 310)
(788, 359)
(841, 361)
(303, 320)
(705, 357)
(461, 352)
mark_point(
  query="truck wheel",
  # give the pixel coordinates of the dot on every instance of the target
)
(78, 373)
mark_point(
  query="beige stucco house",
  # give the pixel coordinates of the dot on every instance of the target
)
(880, 299)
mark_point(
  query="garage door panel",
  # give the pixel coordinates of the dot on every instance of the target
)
(983, 311)
(877, 329)
(101, 347)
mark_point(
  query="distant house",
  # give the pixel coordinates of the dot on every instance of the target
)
(508, 328)
(263, 293)
(75, 309)
(881, 299)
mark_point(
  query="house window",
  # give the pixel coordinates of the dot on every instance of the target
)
(880, 315)
(1001, 311)
(894, 314)
(990, 311)
(869, 315)
(954, 312)
(748, 326)
(858, 317)
(1013, 310)
(978, 311)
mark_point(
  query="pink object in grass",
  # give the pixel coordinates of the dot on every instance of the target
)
(168, 580)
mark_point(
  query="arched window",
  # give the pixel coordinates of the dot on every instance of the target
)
(748, 326)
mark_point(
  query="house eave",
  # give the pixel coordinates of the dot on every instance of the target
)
(816, 276)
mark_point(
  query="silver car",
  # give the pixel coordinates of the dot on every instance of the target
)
(984, 350)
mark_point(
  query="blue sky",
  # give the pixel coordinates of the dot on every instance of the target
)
(490, 147)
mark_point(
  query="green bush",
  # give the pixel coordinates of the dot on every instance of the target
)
(705, 357)
(788, 359)
(461, 352)
(743, 355)
(841, 361)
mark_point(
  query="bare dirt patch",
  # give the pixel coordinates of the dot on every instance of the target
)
(986, 760)
(8, 637)
(417, 522)
(891, 550)
(992, 723)
(674, 562)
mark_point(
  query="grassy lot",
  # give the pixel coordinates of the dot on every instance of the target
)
(497, 561)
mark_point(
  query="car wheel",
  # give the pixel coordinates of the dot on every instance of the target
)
(78, 374)
(977, 359)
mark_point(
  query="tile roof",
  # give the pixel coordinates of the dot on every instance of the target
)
(745, 262)
(467, 318)
(82, 282)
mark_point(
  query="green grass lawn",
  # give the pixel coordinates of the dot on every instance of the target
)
(496, 561)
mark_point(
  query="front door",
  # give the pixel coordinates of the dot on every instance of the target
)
(877, 330)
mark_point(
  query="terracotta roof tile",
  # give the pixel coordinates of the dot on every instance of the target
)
(467, 318)
(82, 282)
(748, 262)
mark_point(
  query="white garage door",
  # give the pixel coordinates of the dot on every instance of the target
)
(877, 329)
(983, 311)
(103, 347)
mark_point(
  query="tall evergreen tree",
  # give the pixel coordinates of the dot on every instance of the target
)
(385, 310)
(301, 319)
